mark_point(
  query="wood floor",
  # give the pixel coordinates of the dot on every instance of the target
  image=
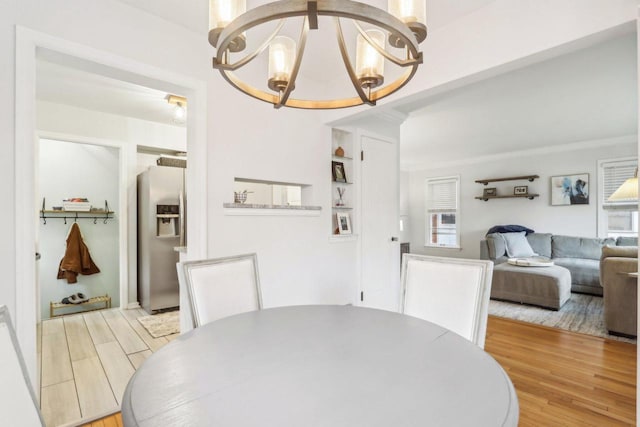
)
(562, 378)
(86, 361)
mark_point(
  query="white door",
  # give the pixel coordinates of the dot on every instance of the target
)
(380, 258)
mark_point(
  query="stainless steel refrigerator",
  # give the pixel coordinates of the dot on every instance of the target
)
(160, 231)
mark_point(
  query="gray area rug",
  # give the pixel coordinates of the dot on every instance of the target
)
(160, 325)
(582, 313)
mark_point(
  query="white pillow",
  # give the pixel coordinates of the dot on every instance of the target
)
(517, 245)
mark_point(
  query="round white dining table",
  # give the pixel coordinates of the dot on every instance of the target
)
(328, 366)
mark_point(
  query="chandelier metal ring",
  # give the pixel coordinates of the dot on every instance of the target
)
(283, 9)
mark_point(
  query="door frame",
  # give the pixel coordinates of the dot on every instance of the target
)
(28, 43)
(127, 211)
(360, 134)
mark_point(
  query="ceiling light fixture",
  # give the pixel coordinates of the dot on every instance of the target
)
(403, 26)
(180, 109)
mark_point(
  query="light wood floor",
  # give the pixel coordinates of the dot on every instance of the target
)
(564, 378)
(86, 361)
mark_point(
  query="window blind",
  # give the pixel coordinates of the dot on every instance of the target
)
(614, 175)
(441, 195)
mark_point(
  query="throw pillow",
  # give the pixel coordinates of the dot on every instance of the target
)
(517, 245)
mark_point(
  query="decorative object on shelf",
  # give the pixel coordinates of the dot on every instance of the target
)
(490, 192)
(337, 171)
(570, 190)
(344, 223)
(231, 25)
(240, 196)
(339, 152)
(520, 189)
(341, 191)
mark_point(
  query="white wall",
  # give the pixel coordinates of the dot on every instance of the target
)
(78, 170)
(477, 216)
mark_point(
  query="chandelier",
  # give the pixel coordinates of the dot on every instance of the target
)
(403, 27)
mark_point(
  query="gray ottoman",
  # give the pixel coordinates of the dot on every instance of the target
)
(548, 287)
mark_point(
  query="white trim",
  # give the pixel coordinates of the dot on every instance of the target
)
(601, 214)
(27, 42)
(574, 146)
(126, 183)
(427, 226)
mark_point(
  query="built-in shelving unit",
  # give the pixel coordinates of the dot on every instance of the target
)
(526, 195)
(346, 203)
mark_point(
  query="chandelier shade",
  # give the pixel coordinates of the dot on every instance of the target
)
(403, 28)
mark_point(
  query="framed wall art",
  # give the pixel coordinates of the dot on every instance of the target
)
(570, 189)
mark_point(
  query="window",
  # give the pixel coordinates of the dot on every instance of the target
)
(442, 217)
(616, 218)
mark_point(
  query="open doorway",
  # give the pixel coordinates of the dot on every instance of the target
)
(71, 123)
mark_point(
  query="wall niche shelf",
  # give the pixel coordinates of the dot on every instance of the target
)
(529, 178)
(344, 200)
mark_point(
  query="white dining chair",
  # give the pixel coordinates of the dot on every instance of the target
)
(222, 287)
(450, 292)
(18, 402)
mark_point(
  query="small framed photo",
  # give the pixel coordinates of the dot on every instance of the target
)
(490, 192)
(337, 171)
(344, 223)
(520, 189)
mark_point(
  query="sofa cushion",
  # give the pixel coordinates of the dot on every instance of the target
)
(540, 243)
(627, 241)
(495, 242)
(578, 247)
(585, 272)
(517, 245)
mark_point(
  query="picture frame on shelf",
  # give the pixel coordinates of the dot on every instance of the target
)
(337, 172)
(520, 190)
(490, 192)
(570, 189)
(344, 223)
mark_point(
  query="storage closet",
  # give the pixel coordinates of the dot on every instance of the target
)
(69, 170)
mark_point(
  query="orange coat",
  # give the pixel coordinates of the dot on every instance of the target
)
(77, 259)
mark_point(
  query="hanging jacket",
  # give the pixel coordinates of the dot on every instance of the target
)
(77, 259)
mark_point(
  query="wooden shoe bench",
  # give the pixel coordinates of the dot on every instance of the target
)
(104, 299)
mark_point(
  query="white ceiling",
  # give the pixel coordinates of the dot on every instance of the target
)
(586, 95)
(65, 85)
(194, 14)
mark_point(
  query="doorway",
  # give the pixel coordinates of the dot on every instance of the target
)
(29, 46)
(380, 284)
(69, 170)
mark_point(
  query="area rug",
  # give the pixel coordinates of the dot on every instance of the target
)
(582, 313)
(163, 324)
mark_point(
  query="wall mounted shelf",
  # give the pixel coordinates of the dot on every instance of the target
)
(95, 214)
(529, 178)
(527, 196)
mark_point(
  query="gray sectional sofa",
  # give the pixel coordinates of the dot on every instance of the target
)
(580, 255)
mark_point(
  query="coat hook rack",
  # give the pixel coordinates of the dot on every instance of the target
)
(95, 214)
